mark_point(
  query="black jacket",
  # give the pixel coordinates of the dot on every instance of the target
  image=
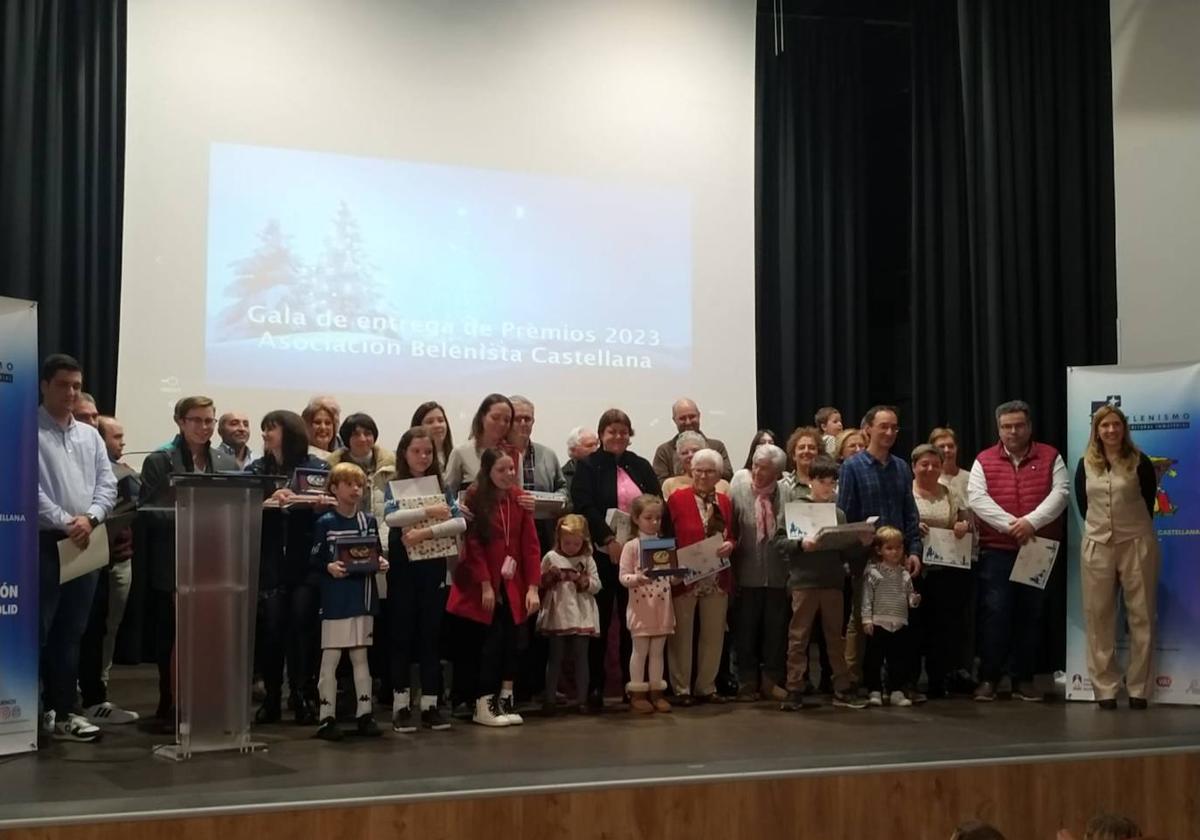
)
(594, 488)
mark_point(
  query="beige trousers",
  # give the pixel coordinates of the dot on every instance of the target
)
(1131, 565)
(712, 609)
(805, 605)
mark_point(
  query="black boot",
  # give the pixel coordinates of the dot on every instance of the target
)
(269, 711)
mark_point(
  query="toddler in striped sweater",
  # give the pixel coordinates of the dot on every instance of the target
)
(887, 596)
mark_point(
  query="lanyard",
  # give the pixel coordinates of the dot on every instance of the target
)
(504, 515)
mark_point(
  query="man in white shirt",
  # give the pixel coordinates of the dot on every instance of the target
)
(1018, 490)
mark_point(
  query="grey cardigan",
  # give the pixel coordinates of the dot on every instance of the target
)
(756, 564)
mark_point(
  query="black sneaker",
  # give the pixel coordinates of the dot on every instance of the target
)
(845, 700)
(367, 727)
(1108, 704)
(328, 730)
(402, 720)
(435, 720)
(793, 703)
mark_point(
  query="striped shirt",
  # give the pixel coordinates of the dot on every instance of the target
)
(887, 591)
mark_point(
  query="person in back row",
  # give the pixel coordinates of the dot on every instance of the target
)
(686, 415)
(1018, 490)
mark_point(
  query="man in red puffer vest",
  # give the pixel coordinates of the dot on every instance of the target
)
(1018, 489)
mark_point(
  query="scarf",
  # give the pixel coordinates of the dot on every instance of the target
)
(716, 519)
(764, 511)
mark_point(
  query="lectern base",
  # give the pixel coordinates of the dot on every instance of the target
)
(177, 752)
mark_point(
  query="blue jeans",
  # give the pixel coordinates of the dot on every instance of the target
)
(1010, 619)
(64, 612)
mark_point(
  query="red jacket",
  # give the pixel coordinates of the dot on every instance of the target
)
(689, 529)
(482, 561)
(1018, 490)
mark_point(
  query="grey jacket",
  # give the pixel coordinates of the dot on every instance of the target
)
(756, 564)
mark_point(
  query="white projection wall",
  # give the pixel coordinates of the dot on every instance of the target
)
(393, 202)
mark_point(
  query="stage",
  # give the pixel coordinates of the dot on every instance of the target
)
(752, 748)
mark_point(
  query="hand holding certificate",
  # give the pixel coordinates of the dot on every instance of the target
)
(74, 561)
(942, 548)
(620, 523)
(804, 519)
(547, 505)
(701, 560)
(1034, 562)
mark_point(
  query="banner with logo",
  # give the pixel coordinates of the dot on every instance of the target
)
(1159, 403)
(18, 526)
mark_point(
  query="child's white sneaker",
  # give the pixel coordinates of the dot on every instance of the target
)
(487, 712)
(898, 699)
(874, 699)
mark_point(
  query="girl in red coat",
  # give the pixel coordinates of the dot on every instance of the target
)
(496, 584)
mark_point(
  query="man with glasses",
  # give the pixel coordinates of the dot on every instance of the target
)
(190, 452)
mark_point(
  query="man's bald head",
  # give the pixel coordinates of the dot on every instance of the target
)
(686, 415)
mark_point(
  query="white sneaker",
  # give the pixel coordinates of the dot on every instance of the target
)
(508, 708)
(874, 699)
(111, 713)
(487, 712)
(897, 698)
(76, 728)
(48, 722)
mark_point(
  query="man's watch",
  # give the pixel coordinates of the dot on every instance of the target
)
(94, 522)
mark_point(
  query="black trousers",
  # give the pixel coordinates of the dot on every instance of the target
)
(290, 631)
(942, 622)
(92, 689)
(760, 619)
(163, 605)
(498, 656)
(416, 602)
(893, 649)
(612, 595)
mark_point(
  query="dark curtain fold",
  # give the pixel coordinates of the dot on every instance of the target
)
(811, 249)
(62, 138)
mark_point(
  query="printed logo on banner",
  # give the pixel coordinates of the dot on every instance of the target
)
(6, 373)
(1149, 421)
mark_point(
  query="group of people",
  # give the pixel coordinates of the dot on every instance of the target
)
(528, 563)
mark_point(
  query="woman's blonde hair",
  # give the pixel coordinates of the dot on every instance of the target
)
(1095, 457)
(575, 525)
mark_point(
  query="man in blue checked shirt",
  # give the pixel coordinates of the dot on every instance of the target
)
(76, 491)
(876, 483)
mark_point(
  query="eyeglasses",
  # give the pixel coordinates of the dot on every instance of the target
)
(201, 421)
(523, 418)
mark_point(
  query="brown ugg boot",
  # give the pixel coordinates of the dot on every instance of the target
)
(659, 702)
(637, 698)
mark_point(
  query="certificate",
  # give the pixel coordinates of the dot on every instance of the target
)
(1034, 563)
(547, 505)
(74, 561)
(413, 493)
(620, 523)
(804, 519)
(942, 548)
(701, 560)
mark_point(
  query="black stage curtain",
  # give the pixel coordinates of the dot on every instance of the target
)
(62, 139)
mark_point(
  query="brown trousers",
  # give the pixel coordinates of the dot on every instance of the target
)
(1131, 565)
(805, 605)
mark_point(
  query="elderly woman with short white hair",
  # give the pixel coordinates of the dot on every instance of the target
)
(687, 444)
(697, 513)
(762, 609)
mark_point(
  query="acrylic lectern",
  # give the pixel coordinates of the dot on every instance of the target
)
(218, 526)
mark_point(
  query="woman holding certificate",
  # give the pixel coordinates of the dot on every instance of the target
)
(945, 592)
(701, 515)
(1115, 486)
(609, 480)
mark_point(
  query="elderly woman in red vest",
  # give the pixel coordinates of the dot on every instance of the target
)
(1018, 490)
(697, 513)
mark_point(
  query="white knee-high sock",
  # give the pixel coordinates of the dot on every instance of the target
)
(400, 700)
(327, 681)
(637, 661)
(655, 677)
(362, 681)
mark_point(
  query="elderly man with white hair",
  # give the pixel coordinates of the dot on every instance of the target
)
(762, 609)
(686, 416)
(697, 513)
(581, 442)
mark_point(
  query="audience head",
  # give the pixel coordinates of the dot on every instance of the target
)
(582, 442)
(285, 439)
(196, 417)
(686, 415)
(234, 429)
(322, 415)
(1109, 434)
(881, 424)
(346, 483)
(706, 470)
(571, 536)
(976, 830)
(946, 440)
(113, 434)
(767, 464)
(803, 445)
(1111, 827)
(760, 437)
(926, 461)
(849, 442)
(889, 545)
(829, 420)
(492, 421)
(432, 416)
(522, 421)
(646, 513)
(823, 479)
(615, 431)
(85, 410)
(687, 444)
(61, 383)
(359, 434)
(1014, 422)
(415, 455)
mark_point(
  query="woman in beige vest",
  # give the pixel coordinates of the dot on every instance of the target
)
(1115, 488)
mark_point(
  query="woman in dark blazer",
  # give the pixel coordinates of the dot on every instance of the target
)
(611, 477)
